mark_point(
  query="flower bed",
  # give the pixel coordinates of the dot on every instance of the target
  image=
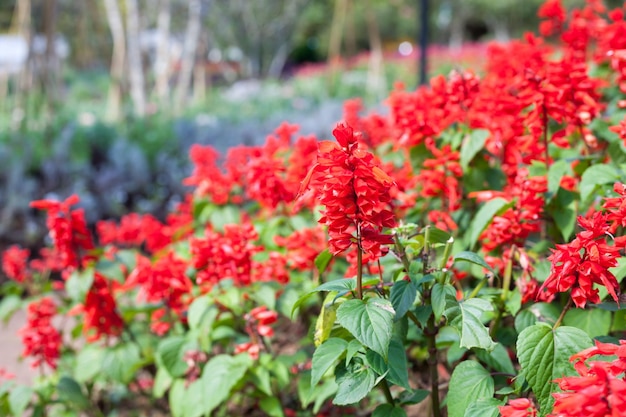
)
(461, 256)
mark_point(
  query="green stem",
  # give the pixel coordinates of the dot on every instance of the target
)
(431, 334)
(385, 388)
(480, 285)
(401, 253)
(508, 272)
(565, 310)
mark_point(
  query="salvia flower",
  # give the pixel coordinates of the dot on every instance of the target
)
(41, 340)
(519, 407)
(354, 191)
(15, 263)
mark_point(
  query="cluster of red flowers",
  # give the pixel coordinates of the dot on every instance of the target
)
(100, 309)
(258, 322)
(354, 192)
(519, 407)
(41, 340)
(599, 390)
(586, 260)
(15, 263)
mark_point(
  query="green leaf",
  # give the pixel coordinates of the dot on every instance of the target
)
(88, 363)
(323, 260)
(439, 297)
(555, 173)
(484, 216)
(272, 407)
(413, 397)
(595, 176)
(565, 220)
(79, 283)
(326, 320)
(170, 355)
(110, 269)
(436, 235)
(19, 398)
(70, 392)
(162, 382)
(201, 313)
(485, 407)
(396, 370)
(594, 322)
(388, 410)
(340, 285)
(370, 322)
(514, 302)
(467, 256)
(498, 359)
(473, 144)
(219, 376)
(469, 383)
(354, 383)
(121, 362)
(177, 398)
(466, 317)
(402, 296)
(325, 356)
(544, 355)
(9, 305)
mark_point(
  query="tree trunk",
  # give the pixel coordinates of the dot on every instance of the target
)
(162, 64)
(114, 106)
(135, 67)
(189, 51)
(50, 68)
(199, 73)
(336, 30)
(21, 25)
(376, 68)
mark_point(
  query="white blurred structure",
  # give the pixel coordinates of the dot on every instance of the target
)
(14, 51)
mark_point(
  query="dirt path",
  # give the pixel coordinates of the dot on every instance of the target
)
(11, 347)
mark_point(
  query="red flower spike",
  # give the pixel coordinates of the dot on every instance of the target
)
(41, 340)
(519, 407)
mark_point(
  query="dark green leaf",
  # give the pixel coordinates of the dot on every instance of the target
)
(413, 397)
(439, 297)
(70, 392)
(469, 383)
(121, 362)
(272, 407)
(466, 317)
(325, 357)
(370, 321)
(472, 144)
(402, 296)
(170, 355)
(353, 384)
(388, 410)
(594, 322)
(544, 355)
(323, 260)
(484, 216)
(467, 256)
(396, 370)
(498, 359)
(555, 173)
(595, 176)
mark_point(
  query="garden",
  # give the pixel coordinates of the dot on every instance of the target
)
(457, 251)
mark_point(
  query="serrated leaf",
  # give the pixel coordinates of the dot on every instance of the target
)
(340, 285)
(402, 296)
(369, 321)
(353, 347)
(469, 383)
(388, 410)
(594, 322)
(70, 392)
(544, 355)
(353, 384)
(439, 295)
(486, 407)
(323, 260)
(467, 256)
(325, 356)
(472, 145)
(466, 317)
(484, 216)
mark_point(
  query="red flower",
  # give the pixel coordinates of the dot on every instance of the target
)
(354, 191)
(41, 340)
(100, 308)
(303, 246)
(519, 407)
(585, 261)
(555, 13)
(68, 229)
(14, 263)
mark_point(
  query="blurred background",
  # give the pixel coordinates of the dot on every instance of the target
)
(103, 98)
